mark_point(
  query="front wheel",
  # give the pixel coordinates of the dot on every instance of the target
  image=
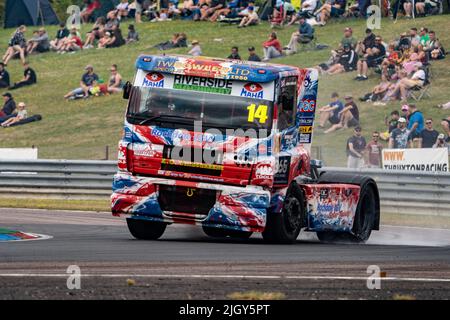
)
(284, 227)
(145, 229)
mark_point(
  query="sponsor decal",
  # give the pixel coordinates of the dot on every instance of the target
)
(306, 121)
(252, 90)
(325, 208)
(305, 129)
(324, 194)
(427, 160)
(305, 138)
(264, 172)
(282, 167)
(308, 106)
(143, 150)
(192, 164)
(153, 80)
(210, 85)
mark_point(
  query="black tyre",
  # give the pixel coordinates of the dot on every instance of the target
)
(214, 232)
(145, 229)
(284, 227)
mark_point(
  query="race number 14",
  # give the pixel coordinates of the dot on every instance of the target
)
(259, 113)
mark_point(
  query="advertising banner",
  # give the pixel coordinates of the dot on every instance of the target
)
(427, 160)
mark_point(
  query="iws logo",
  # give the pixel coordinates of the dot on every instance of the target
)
(252, 90)
(153, 80)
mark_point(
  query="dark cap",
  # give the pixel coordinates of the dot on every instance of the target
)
(251, 48)
(7, 94)
(358, 128)
(368, 30)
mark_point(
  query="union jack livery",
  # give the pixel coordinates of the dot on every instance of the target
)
(225, 144)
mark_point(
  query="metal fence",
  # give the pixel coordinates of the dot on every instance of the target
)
(401, 192)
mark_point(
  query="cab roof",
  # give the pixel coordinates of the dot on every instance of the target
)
(215, 67)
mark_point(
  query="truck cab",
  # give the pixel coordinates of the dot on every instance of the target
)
(225, 144)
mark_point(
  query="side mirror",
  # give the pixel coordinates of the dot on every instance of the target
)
(127, 90)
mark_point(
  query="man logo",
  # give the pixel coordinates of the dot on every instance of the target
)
(153, 80)
(252, 90)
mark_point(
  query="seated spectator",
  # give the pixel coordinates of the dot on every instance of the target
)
(234, 54)
(89, 7)
(399, 137)
(434, 47)
(61, 35)
(444, 106)
(117, 39)
(112, 21)
(280, 13)
(133, 35)
(252, 56)
(122, 9)
(346, 63)
(355, 148)
(272, 47)
(349, 115)
(428, 136)
(251, 18)
(105, 40)
(304, 34)
(73, 43)
(331, 111)
(178, 40)
(29, 77)
(348, 39)
(196, 50)
(368, 42)
(405, 84)
(97, 32)
(40, 43)
(408, 8)
(333, 9)
(21, 114)
(425, 7)
(191, 10)
(138, 6)
(88, 80)
(4, 76)
(378, 92)
(414, 37)
(8, 108)
(115, 83)
(374, 57)
(209, 7)
(374, 151)
(16, 45)
(173, 11)
(424, 36)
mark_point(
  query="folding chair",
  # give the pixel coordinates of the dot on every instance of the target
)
(418, 92)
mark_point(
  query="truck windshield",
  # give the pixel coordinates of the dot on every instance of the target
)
(174, 107)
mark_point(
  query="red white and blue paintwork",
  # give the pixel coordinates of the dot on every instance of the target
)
(247, 191)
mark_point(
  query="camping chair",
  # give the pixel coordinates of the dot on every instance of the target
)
(418, 92)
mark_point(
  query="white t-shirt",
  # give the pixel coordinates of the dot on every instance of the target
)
(122, 6)
(196, 51)
(22, 114)
(419, 75)
(311, 7)
(253, 16)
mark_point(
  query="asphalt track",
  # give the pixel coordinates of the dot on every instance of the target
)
(185, 264)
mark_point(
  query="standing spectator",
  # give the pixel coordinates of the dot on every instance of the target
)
(8, 107)
(304, 34)
(428, 136)
(415, 123)
(22, 114)
(40, 43)
(88, 80)
(29, 77)
(133, 35)
(441, 142)
(399, 136)
(252, 56)
(272, 47)
(356, 145)
(234, 54)
(331, 111)
(374, 150)
(391, 124)
(4, 76)
(373, 57)
(349, 116)
(196, 50)
(17, 44)
(138, 5)
(61, 35)
(251, 18)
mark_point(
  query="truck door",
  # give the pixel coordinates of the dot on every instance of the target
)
(287, 106)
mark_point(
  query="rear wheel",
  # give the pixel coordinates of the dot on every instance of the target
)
(145, 229)
(363, 223)
(284, 227)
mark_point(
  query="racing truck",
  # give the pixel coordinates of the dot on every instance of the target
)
(225, 144)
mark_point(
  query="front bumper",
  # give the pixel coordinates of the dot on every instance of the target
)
(237, 208)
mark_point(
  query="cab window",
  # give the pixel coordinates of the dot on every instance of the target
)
(287, 100)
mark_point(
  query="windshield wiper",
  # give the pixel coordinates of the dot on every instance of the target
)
(146, 120)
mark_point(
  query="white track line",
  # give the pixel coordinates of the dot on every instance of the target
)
(205, 276)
